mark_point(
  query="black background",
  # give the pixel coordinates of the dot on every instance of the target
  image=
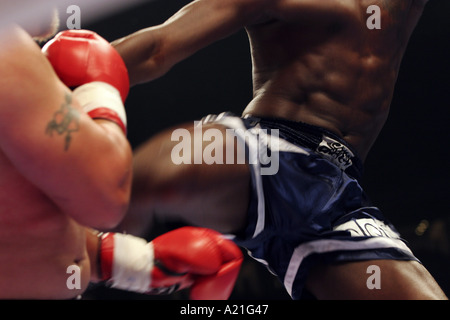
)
(406, 173)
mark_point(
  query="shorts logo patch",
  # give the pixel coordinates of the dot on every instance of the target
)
(336, 152)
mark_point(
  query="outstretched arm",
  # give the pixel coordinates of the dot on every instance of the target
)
(151, 52)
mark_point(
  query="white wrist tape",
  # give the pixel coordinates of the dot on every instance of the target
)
(102, 100)
(132, 263)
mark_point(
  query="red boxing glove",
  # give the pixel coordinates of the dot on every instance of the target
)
(85, 61)
(196, 258)
(82, 56)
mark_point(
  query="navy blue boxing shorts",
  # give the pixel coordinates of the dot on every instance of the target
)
(307, 205)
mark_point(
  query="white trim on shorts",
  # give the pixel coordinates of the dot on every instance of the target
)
(327, 246)
(237, 123)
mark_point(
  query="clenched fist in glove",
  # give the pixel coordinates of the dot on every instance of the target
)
(87, 63)
(196, 258)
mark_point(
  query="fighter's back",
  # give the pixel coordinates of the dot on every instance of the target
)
(331, 63)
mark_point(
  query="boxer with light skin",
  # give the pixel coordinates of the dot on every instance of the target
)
(40, 29)
(65, 171)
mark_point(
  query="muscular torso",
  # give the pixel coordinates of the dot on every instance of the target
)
(38, 242)
(324, 66)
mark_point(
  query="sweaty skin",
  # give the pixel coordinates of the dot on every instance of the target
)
(326, 68)
(60, 171)
(313, 61)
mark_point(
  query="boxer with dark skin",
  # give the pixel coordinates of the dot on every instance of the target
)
(315, 62)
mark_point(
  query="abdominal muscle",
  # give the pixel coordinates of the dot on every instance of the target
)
(350, 98)
(330, 72)
(358, 128)
(38, 243)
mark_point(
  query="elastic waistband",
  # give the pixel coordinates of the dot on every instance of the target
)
(317, 139)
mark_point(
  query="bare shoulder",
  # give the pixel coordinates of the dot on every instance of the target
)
(14, 41)
(20, 58)
(13, 44)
